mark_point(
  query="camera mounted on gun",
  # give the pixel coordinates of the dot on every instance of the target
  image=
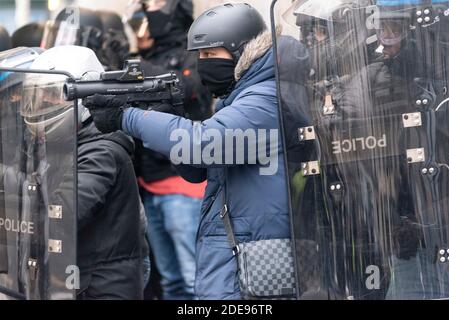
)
(132, 72)
(131, 83)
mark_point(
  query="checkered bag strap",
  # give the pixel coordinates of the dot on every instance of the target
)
(266, 268)
(224, 215)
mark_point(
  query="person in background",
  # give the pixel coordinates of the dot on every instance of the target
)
(172, 204)
(5, 40)
(115, 41)
(236, 63)
(30, 35)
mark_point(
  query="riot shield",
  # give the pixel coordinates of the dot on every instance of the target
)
(364, 110)
(37, 184)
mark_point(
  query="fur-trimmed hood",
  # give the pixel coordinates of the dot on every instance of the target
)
(255, 49)
(255, 66)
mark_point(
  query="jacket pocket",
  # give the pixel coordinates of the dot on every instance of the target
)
(215, 228)
(217, 278)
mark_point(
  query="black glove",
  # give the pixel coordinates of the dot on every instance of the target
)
(168, 108)
(407, 235)
(106, 111)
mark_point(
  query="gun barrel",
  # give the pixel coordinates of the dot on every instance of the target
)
(83, 89)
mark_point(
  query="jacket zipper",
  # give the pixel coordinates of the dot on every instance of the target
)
(206, 211)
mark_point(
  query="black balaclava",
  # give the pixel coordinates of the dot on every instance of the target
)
(217, 74)
(159, 23)
(164, 26)
(168, 30)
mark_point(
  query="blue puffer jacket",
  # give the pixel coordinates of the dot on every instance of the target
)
(257, 203)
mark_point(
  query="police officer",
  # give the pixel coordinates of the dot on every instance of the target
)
(109, 227)
(391, 75)
(11, 135)
(5, 39)
(106, 40)
(29, 35)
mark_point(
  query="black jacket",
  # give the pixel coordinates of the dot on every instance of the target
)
(170, 55)
(109, 237)
(384, 87)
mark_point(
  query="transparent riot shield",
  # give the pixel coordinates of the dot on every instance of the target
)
(37, 184)
(365, 112)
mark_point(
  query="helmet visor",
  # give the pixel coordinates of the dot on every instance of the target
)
(44, 97)
(391, 32)
(64, 33)
(322, 10)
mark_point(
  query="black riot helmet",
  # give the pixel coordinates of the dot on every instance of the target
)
(394, 23)
(30, 35)
(440, 9)
(230, 26)
(115, 41)
(337, 19)
(5, 40)
(335, 32)
(75, 26)
(111, 21)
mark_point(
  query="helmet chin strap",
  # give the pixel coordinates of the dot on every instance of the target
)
(236, 56)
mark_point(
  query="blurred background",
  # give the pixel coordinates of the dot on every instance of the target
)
(16, 13)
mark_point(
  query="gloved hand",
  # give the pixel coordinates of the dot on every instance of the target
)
(106, 111)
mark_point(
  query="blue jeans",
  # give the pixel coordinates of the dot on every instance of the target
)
(172, 225)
